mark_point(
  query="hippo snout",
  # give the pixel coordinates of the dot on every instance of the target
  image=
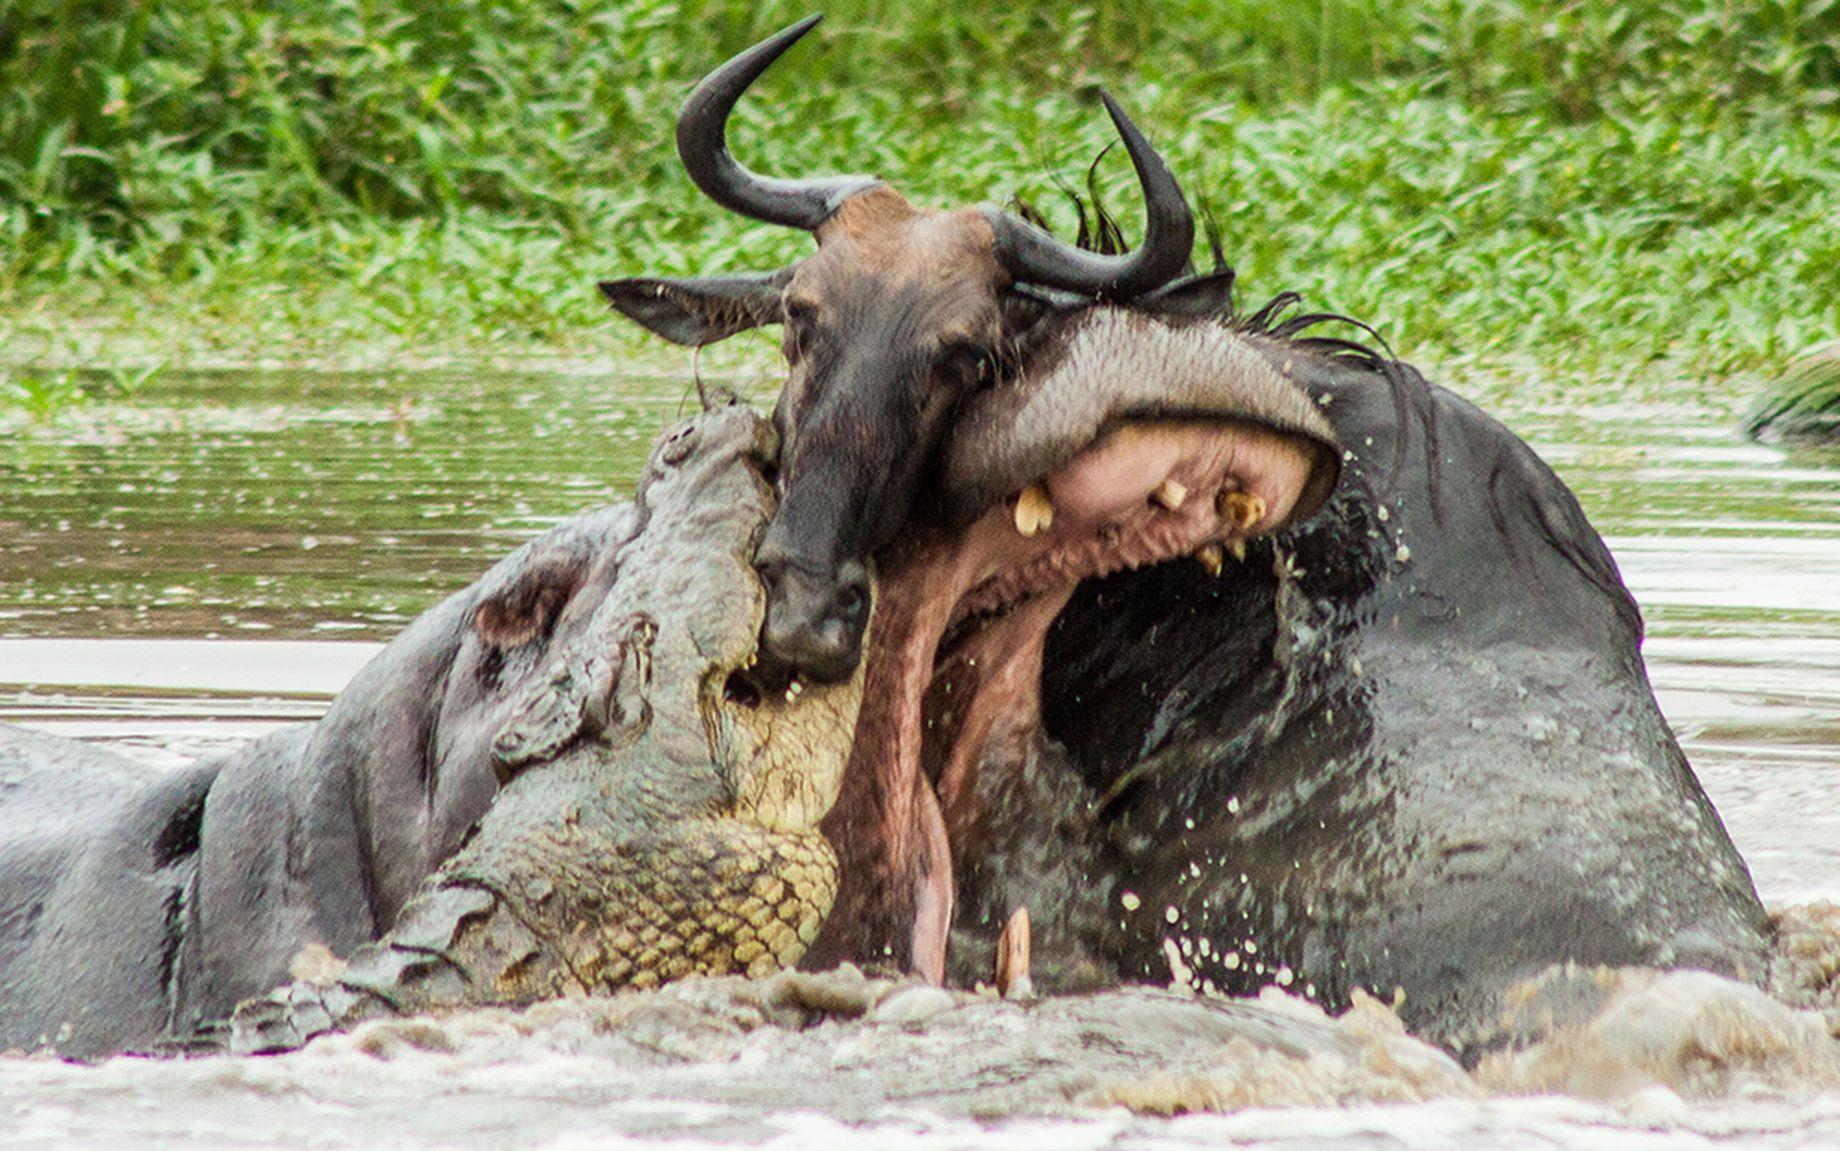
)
(815, 621)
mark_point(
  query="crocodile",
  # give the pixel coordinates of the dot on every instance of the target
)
(659, 814)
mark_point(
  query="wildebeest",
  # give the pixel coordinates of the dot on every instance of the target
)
(1408, 745)
(899, 313)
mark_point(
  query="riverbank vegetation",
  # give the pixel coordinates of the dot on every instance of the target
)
(1804, 405)
(1575, 188)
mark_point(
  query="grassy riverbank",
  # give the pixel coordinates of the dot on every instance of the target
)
(1554, 188)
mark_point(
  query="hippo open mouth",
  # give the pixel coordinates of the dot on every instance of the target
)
(1134, 440)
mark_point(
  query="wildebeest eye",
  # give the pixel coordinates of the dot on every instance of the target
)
(972, 365)
(801, 318)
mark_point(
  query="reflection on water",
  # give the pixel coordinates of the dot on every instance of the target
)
(161, 564)
(299, 504)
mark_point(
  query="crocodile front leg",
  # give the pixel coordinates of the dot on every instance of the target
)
(547, 916)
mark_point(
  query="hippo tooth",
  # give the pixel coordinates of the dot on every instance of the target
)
(1013, 980)
(1241, 509)
(1211, 557)
(1034, 511)
(1170, 494)
(1238, 548)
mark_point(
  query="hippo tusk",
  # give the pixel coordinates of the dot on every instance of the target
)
(1211, 557)
(1241, 509)
(1034, 511)
(1170, 494)
(1013, 980)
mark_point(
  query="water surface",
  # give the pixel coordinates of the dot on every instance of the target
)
(183, 573)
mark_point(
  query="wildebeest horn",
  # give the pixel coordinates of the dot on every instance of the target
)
(1034, 257)
(702, 144)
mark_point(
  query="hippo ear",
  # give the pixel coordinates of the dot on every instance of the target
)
(702, 309)
(528, 607)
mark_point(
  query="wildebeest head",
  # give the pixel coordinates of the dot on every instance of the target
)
(898, 315)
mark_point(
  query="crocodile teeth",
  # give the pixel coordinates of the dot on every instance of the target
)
(1170, 494)
(1211, 557)
(1241, 509)
(1034, 511)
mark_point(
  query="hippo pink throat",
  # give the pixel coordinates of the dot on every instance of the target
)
(959, 627)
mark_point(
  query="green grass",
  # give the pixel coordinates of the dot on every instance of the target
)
(1573, 188)
(43, 394)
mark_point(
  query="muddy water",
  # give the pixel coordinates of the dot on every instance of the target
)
(183, 573)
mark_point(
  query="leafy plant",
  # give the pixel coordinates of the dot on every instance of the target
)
(41, 396)
(124, 382)
(1573, 185)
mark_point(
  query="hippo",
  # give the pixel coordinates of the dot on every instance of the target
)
(1405, 746)
(1803, 406)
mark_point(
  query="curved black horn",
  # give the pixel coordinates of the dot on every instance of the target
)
(702, 144)
(1034, 257)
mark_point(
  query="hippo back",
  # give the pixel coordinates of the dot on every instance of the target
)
(1408, 746)
(97, 864)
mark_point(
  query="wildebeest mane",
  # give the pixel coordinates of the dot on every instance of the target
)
(1098, 231)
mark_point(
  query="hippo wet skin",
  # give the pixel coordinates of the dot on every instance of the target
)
(1407, 745)
(564, 735)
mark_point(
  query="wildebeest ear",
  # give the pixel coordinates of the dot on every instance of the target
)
(1204, 296)
(701, 309)
(1026, 305)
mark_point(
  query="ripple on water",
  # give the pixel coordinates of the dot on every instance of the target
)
(1660, 1060)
